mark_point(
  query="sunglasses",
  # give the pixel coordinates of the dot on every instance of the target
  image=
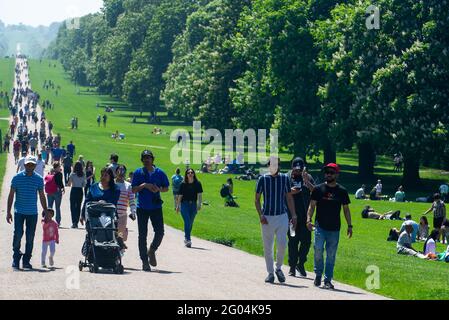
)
(330, 172)
(191, 172)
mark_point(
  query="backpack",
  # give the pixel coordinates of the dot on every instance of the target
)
(50, 184)
(224, 192)
(177, 181)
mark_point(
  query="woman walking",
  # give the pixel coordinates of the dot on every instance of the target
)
(90, 176)
(189, 203)
(54, 187)
(105, 190)
(77, 180)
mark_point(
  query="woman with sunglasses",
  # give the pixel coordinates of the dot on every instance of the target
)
(105, 190)
(189, 203)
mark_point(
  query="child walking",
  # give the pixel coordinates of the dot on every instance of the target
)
(51, 237)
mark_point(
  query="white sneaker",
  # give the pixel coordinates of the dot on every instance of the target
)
(43, 266)
(50, 259)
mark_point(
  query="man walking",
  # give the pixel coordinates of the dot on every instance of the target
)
(276, 190)
(302, 185)
(148, 182)
(71, 149)
(328, 198)
(25, 186)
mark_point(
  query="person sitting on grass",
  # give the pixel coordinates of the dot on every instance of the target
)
(404, 244)
(415, 226)
(430, 244)
(370, 213)
(226, 192)
(399, 195)
(423, 230)
(373, 195)
(360, 193)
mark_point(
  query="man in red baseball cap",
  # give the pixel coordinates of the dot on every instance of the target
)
(328, 198)
(332, 166)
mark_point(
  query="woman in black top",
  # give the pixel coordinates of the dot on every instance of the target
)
(189, 202)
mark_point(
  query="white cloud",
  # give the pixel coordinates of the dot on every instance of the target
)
(44, 12)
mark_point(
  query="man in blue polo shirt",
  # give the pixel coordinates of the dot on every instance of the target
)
(57, 154)
(277, 195)
(148, 182)
(25, 186)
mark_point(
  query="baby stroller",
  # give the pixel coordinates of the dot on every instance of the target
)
(101, 248)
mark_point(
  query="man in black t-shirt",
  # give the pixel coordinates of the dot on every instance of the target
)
(328, 198)
(302, 185)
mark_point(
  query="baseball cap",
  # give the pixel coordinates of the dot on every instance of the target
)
(408, 223)
(30, 159)
(298, 163)
(147, 153)
(333, 166)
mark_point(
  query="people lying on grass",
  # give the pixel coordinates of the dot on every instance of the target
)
(399, 196)
(360, 193)
(423, 230)
(415, 226)
(404, 244)
(370, 213)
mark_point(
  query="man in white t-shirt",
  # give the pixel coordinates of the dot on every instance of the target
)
(40, 165)
(360, 193)
(21, 163)
(379, 188)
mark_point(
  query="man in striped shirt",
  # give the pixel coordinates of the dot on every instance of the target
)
(25, 186)
(277, 195)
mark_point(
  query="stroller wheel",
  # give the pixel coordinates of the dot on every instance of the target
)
(120, 269)
(80, 265)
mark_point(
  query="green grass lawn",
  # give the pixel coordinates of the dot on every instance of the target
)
(400, 277)
(7, 77)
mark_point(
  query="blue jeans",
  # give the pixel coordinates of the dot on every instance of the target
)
(55, 198)
(188, 213)
(30, 222)
(330, 239)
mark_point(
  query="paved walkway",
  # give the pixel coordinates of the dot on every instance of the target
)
(207, 271)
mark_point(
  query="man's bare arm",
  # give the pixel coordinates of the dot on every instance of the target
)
(311, 210)
(11, 199)
(43, 200)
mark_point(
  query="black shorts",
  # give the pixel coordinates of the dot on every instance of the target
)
(438, 222)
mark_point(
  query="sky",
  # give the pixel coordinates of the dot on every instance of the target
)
(44, 12)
